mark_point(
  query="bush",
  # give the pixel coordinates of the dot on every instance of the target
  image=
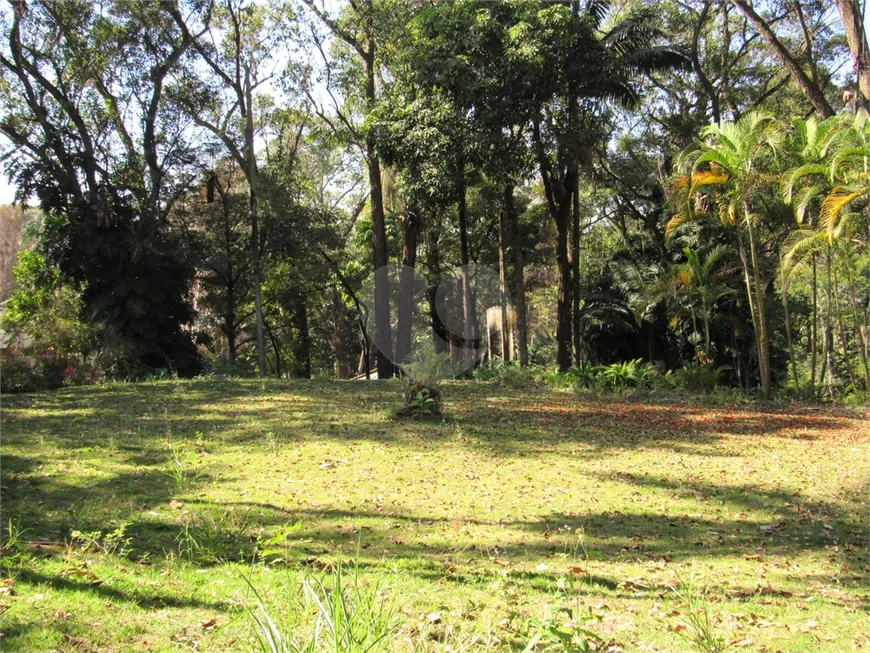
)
(18, 375)
(509, 374)
(698, 378)
(628, 374)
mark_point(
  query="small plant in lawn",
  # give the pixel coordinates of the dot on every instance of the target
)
(423, 404)
(208, 540)
(272, 441)
(566, 632)
(12, 539)
(697, 629)
(275, 549)
(111, 543)
(182, 472)
(420, 392)
(347, 615)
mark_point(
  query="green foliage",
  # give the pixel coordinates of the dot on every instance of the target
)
(509, 374)
(114, 542)
(180, 469)
(703, 378)
(330, 613)
(423, 403)
(699, 629)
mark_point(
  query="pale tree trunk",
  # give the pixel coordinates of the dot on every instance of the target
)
(788, 324)
(253, 186)
(502, 278)
(469, 319)
(764, 351)
(754, 311)
(383, 328)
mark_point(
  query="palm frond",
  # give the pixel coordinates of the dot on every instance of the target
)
(834, 204)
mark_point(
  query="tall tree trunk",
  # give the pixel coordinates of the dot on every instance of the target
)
(575, 273)
(829, 329)
(302, 344)
(763, 350)
(753, 311)
(411, 227)
(563, 306)
(856, 37)
(841, 328)
(502, 278)
(383, 330)
(519, 278)
(341, 334)
(253, 185)
(469, 319)
(788, 325)
(440, 337)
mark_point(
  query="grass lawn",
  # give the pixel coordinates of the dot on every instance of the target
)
(518, 514)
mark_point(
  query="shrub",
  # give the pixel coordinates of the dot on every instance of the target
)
(509, 374)
(628, 374)
(328, 613)
(698, 378)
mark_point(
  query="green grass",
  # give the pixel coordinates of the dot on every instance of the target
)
(518, 517)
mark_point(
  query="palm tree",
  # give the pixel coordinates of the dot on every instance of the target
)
(835, 155)
(850, 176)
(700, 280)
(643, 286)
(729, 169)
(804, 187)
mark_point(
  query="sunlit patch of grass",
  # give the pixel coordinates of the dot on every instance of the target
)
(475, 517)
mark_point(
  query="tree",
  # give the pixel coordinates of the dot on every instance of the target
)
(731, 169)
(248, 38)
(363, 29)
(104, 151)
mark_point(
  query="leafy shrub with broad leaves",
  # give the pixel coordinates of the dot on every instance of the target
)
(628, 374)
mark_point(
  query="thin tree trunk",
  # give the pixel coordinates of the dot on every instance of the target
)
(788, 325)
(252, 177)
(763, 353)
(440, 337)
(563, 307)
(502, 278)
(383, 330)
(575, 273)
(829, 329)
(841, 328)
(469, 320)
(519, 278)
(302, 346)
(749, 297)
(406, 299)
